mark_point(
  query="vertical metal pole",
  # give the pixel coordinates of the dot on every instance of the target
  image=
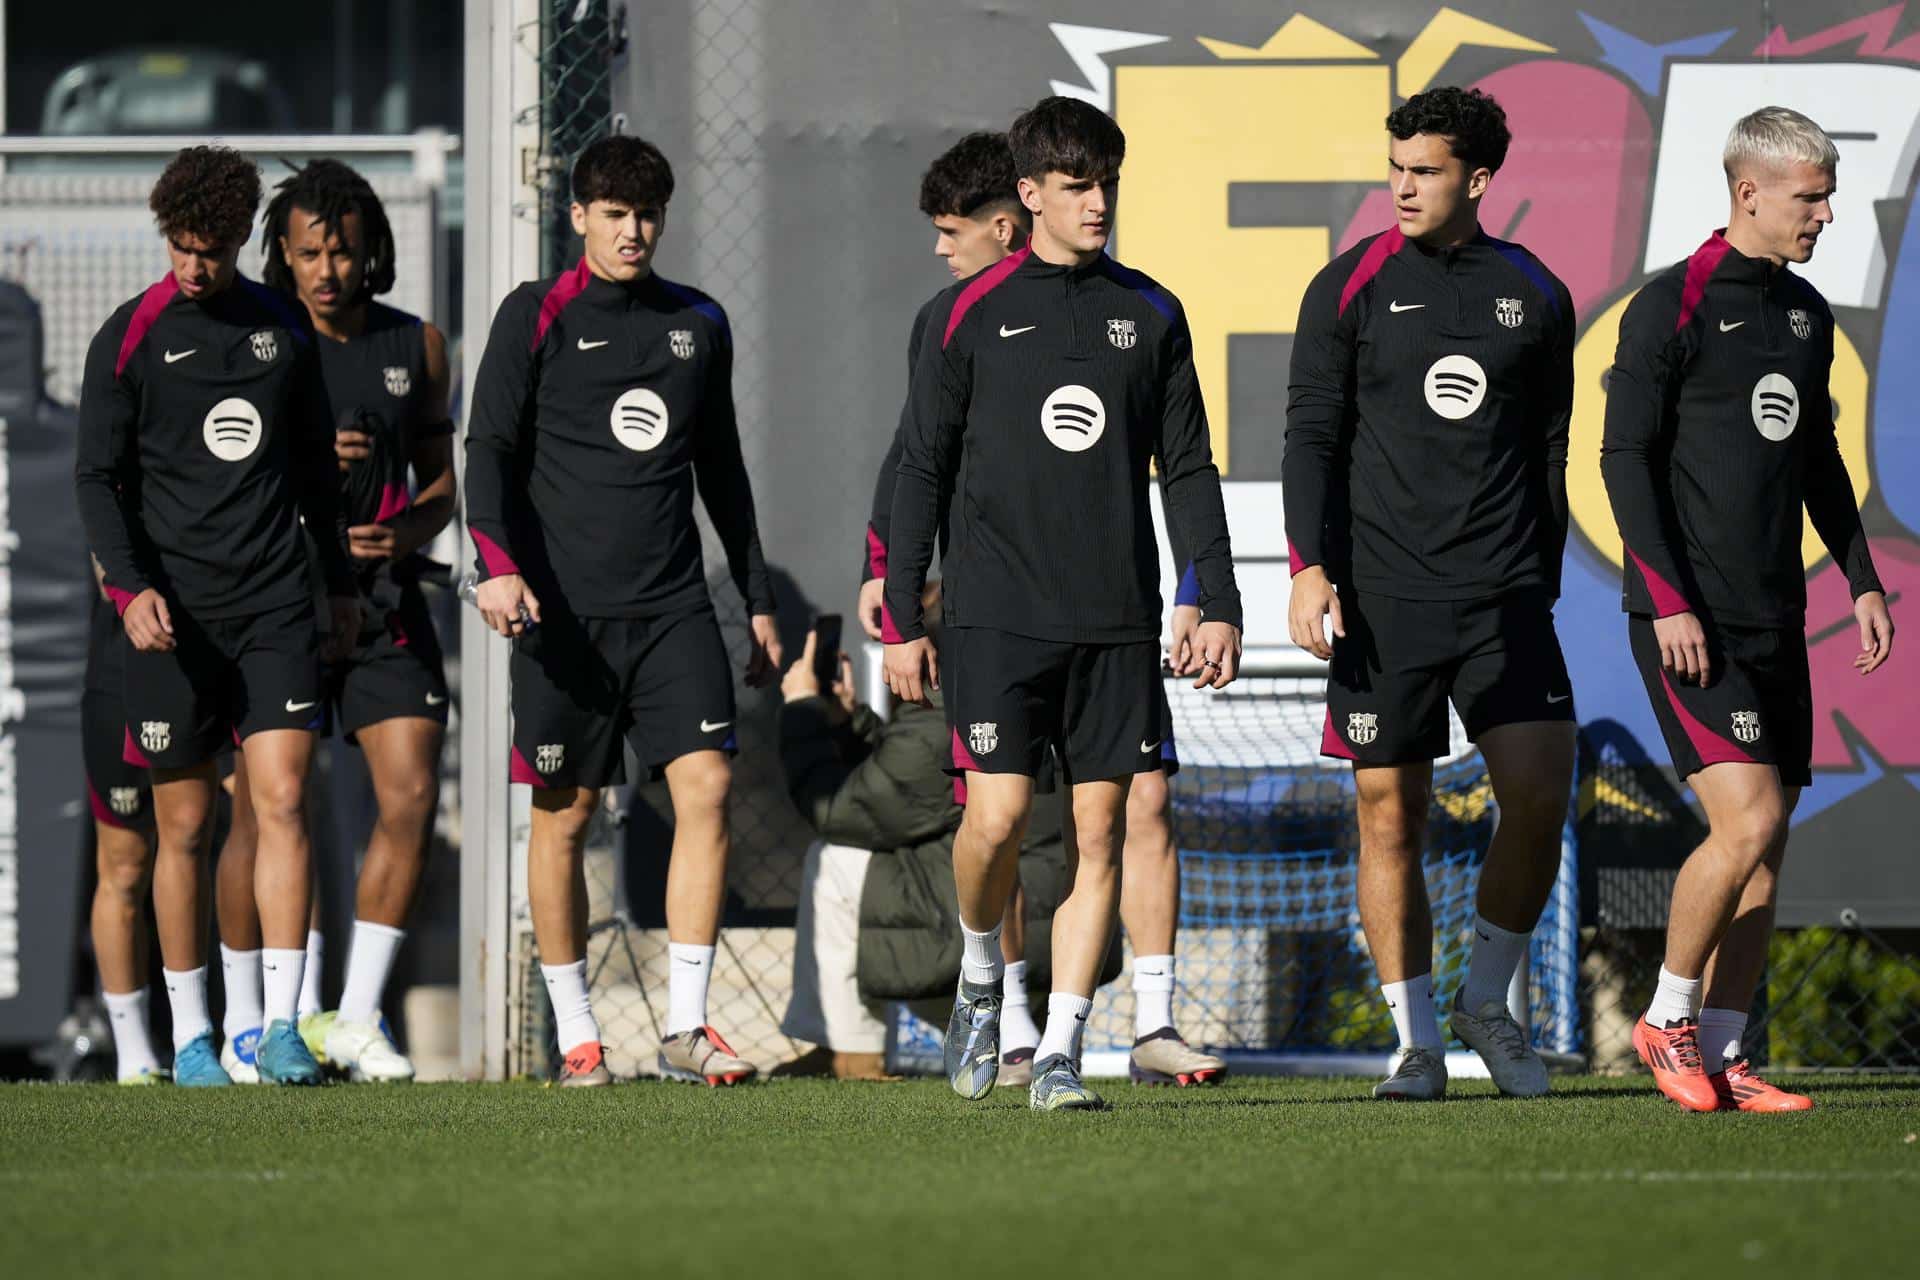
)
(343, 67)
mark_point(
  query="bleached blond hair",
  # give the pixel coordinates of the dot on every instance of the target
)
(1773, 138)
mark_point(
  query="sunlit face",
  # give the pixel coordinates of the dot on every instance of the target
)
(1786, 208)
(327, 267)
(620, 237)
(1433, 190)
(201, 267)
(972, 244)
(1074, 213)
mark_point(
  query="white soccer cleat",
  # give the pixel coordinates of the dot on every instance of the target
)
(362, 1050)
(1491, 1032)
(237, 1056)
(1414, 1074)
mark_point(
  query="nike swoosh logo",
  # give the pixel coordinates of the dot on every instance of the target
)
(589, 346)
(1729, 328)
(434, 700)
(713, 726)
(175, 357)
(1396, 308)
(1149, 746)
(301, 706)
(1551, 700)
(1011, 333)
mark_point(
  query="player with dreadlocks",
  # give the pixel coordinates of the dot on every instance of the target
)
(328, 244)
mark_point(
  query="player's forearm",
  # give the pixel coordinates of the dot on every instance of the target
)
(916, 517)
(1554, 527)
(1195, 508)
(1830, 505)
(1627, 472)
(880, 520)
(109, 535)
(485, 482)
(1306, 478)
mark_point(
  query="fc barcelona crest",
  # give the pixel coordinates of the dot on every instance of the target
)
(1746, 726)
(156, 735)
(399, 381)
(548, 756)
(124, 801)
(265, 346)
(680, 342)
(983, 736)
(1802, 324)
(1362, 728)
(1508, 312)
(1121, 333)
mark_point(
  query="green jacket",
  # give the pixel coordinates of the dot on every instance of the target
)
(882, 785)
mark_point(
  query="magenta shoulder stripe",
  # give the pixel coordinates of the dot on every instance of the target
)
(564, 290)
(1667, 599)
(152, 303)
(983, 284)
(1700, 268)
(1384, 246)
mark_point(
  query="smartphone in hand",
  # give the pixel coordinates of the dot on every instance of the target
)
(826, 650)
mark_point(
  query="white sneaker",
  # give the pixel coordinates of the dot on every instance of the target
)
(237, 1056)
(1491, 1032)
(362, 1050)
(1414, 1074)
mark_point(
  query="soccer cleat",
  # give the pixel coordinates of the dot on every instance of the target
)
(364, 1052)
(700, 1056)
(238, 1056)
(972, 1046)
(313, 1030)
(146, 1076)
(1491, 1032)
(197, 1066)
(284, 1058)
(1415, 1073)
(585, 1067)
(1057, 1086)
(1016, 1069)
(1672, 1053)
(1164, 1058)
(1739, 1089)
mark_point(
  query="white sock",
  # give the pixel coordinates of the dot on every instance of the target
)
(240, 979)
(573, 1021)
(1673, 999)
(1496, 954)
(370, 956)
(1016, 1015)
(1066, 1024)
(687, 986)
(187, 997)
(310, 1001)
(1152, 994)
(1411, 1003)
(1720, 1032)
(280, 972)
(980, 960)
(132, 1046)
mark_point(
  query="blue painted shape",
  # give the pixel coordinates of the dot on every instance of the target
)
(1896, 382)
(1642, 62)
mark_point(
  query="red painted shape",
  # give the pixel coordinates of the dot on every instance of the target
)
(1882, 709)
(1873, 30)
(982, 285)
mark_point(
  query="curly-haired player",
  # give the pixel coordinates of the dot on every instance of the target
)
(203, 442)
(1432, 386)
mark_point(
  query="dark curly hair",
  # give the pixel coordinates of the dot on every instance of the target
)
(1473, 124)
(328, 191)
(1066, 135)
(629, 171)
(209, 193)
(971, 175)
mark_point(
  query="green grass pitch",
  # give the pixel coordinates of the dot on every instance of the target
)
(1298, 1178)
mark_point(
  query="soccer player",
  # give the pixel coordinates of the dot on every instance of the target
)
(1426, 513)
(121, 799)
(971, 195)
(1719, 430)
(1057, 375)
(203, 443)
(605, 397)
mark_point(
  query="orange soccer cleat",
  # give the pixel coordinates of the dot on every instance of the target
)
(1739, 1089)
(585, 1066)
(1672, 1053)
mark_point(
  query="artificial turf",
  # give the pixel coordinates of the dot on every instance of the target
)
(1256, 1177)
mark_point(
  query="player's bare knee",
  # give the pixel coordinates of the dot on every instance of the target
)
(125, 868)
(1750, 834)
(996, 822)
(407, 803)
(279, 797)
(700, 784)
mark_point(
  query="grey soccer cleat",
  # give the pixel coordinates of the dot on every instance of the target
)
(972, 1048)
(1057, 1087)
(1414, 1074)
(585, 1067)
(1491, 1032)
(700, 1056)
(1164, 1058)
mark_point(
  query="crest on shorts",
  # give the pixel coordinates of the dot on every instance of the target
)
(124, 801)
(983, 736)
(265, 346)
(548, 756)
(1508, 312)
(156, 735)
(1362, 727)
(1746, 726)
(680, 342)
(399, 381)
(1802, 323)
(1121, 333)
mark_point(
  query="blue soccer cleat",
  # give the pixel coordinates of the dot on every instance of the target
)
(284, 1058)
(196, 1064)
